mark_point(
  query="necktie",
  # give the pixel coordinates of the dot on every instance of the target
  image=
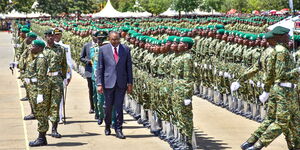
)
(116, 55)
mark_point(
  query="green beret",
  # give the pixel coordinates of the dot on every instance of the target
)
(247, 36)
(261, 35)
(171, 38)
(49, 31)
(253, 37)
(220, 31)
(219, 26)
(32, 35)
(280, 30)
(39, 43)
(125, 29)
(25, 26)
(187, 40)
(25, 30)
(176, 39)
(101, 34)
(268, 35)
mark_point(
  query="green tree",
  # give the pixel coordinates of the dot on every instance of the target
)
(155, 6)
(209, 5)
(52, 7)
(185, 5)
(5, 6)
(82, 6)
(23, 5)
(123, 5)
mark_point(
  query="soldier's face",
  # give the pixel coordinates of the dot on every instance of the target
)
(182, 46)
(36, 49)
(50, 38)
(57, 37)
(251, 43)
(218, 36)
(142, 44)
(29, 39)
(174, 46)
(23, 34)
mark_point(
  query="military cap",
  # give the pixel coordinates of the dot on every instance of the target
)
(39, 43)
(49, 31)
(171, 38)
(25, 26)
(125, 29)
(247, 36)
(100, 34)
(25, 30)
(57, 31)
(221, 31)
(280, 30)
(32, 35)
(187, 40)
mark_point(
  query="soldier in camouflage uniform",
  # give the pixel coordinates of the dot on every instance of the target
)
(283, 116)
(57, 71)
(25, 46)
(36, 79)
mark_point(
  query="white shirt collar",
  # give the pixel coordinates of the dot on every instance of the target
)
(113, 50)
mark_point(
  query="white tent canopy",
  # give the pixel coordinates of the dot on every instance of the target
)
(109, 12)
(170, 12)
(287, 23)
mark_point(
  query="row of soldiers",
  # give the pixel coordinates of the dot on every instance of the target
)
(45, 70)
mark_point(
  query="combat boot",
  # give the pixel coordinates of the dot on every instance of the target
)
(40, 141)
(54, 130)
(250, 142)
(257, 146)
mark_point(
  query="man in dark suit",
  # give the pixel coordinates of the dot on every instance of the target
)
(114, 78)
(85, 58)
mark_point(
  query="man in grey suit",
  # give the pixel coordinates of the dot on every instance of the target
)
(114, 78)
(85, 58)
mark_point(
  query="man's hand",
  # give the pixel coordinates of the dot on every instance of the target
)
(129, 88)
(100, 89)
(235, 86)
(264, 97)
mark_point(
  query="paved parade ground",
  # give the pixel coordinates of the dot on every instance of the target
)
(215, 127)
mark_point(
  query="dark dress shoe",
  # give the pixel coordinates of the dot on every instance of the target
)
(24, 99)
(107, 131)
(22, 86)
(246, 145)
(29, 117)
(54, 133)
(100, 121)
(119, 134)
(96, 117)
(91, 111)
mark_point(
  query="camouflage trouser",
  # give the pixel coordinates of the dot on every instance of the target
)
(28, 93)
(282, 117)
(55, 93)
(183, 113)
(42, 109)
(98, 100)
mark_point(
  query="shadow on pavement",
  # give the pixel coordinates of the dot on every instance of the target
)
(81, 121)
(132, 127)
(139, 136)
(209, 143)
(80, 135)
(61, 144)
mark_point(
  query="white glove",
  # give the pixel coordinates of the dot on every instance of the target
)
(65, 82)
(220, 73)
(205, 66)
(235, 86)
(27, 80)
(298, 69)
(264, 97)
(39, 98)
(251, 82)
(210, 67)
(187, 102)
(215, 71)
(258, 84)
(262, 85)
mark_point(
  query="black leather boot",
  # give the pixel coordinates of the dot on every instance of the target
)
(54, 130)
(40, 141)
(250, 142)
(257, 146)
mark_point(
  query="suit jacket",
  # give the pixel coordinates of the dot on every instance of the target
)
(109, 73)
(85, 58)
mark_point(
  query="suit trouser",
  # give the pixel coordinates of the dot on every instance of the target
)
(90, 86)
(114, 98)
